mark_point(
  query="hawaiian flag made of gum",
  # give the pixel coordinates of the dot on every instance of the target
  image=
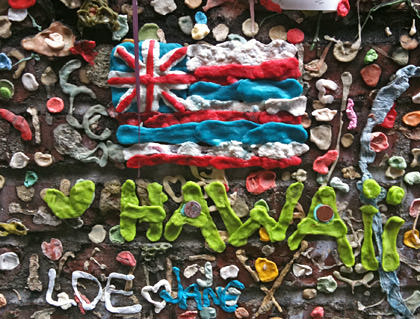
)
(236, 104)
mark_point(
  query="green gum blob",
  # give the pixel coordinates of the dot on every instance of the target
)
(7, 90)
(14, 227)
(115, 235)
(390, 257)
(395, 195)
(103, 14)
(412, 178)
(371, 189)
(397, 162)
(326, 284)
(368, 256)
(208, 313)
(73, 206)
(371, 56)
(335, 228)
(5, 93)
(149, 31)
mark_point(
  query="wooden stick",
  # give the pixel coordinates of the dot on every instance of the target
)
(267, 302)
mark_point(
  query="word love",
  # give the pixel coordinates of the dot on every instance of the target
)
(224, 297)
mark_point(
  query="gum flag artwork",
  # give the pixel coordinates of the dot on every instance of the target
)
(197, 112)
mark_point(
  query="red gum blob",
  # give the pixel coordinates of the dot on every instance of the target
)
(371, 74)
(269, 5)
(188, 315)
(378, 142)
(155, 119)
(214, 3)
(295, 36)
(52, 250)
(219, 162)
(85, 49)
(126, 258)
(21, 4)
(259, 182)
(390, 118)
(55, 105)
(278, 70)
(343, 8)
(317, 313)
(18, 123)
(79, 304)
(321, 163)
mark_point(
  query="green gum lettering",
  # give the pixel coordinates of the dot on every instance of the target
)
(390, 257)
(131, 212)
(192, 192)
(157, 198)
(335, 228)
(82, 195)
(217, 193)
(258, 217)
(293, 194)
(368, 256)
(73, 206)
